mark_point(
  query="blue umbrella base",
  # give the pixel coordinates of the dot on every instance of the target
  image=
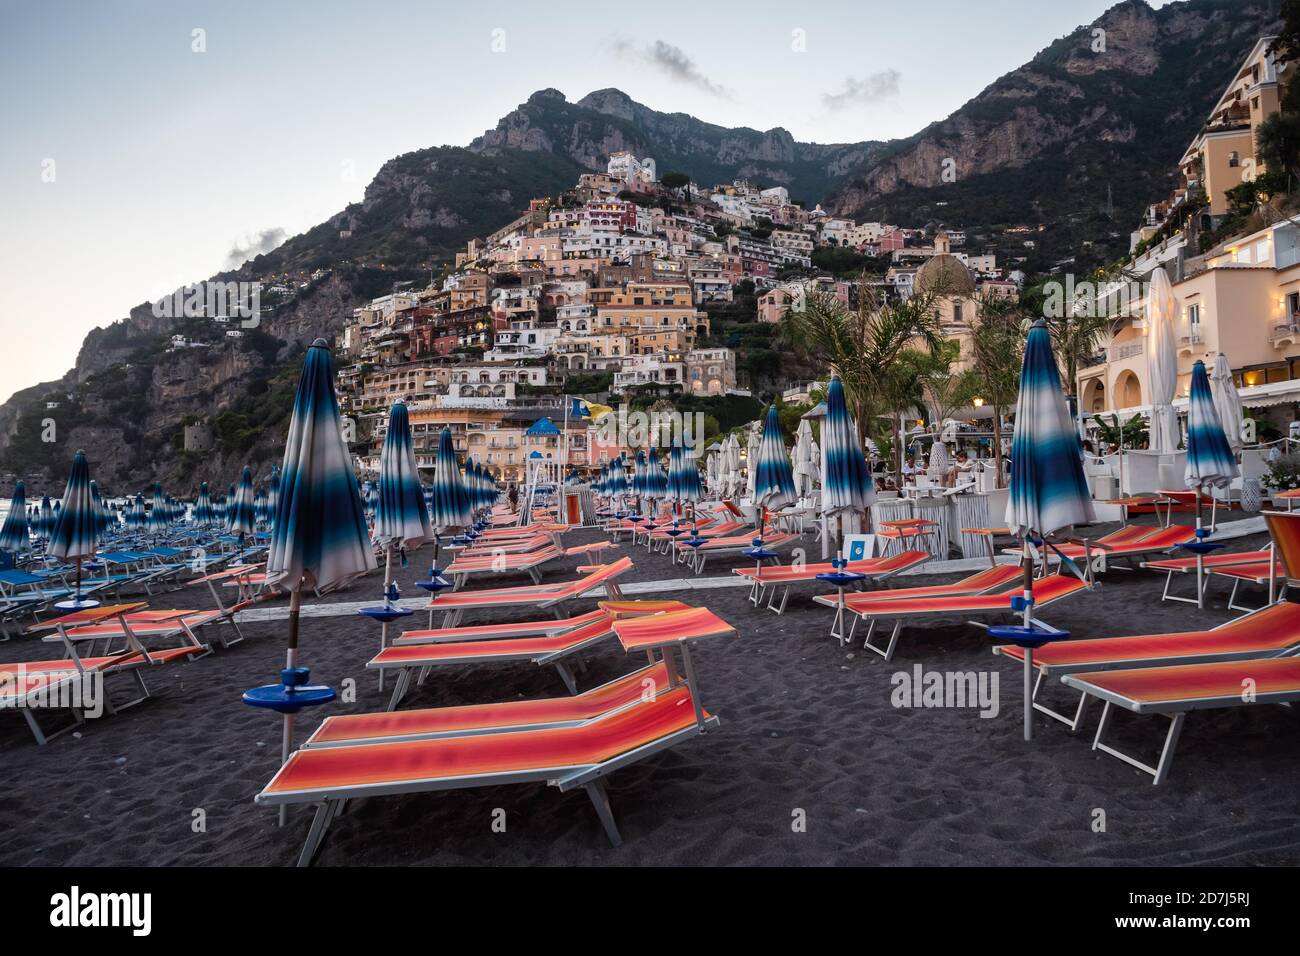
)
(1201, 547)
(436, 583)
(385, 612)
(290, 696)
(80, 604)
(1026, 636)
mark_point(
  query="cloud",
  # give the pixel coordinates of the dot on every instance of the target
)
(672, 61)
(876, 87)
(253, 244)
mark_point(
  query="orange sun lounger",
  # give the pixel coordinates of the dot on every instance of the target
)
(900, 610)
(66, 683)
(732, 545)
(546, 596)
(1133, 545)
(1172, 566)
(567, 757)
(1175, 691)
(417, 653)
(1268, 632)
(782, 577)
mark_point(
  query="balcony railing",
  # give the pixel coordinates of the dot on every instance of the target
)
(1119, 353)
(1286, 330)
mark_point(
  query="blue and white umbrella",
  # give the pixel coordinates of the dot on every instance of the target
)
(158, 510)
(658, 478)
(259, 508)
(135, 515)
(320, 537)
(273, 496)
(401, 518)
(203, 514)
(449, 500)
(1048, 491)
(76, 533)
(13, 535)
(242, 517)
(846, 483)
(1210, 461)
(45, 525)
(774, 483)
(617, 481)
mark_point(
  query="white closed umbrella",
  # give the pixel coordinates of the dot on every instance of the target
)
(805, 466)
(1227, 402)
(751, 457)
(733, 465)
(1162, 362)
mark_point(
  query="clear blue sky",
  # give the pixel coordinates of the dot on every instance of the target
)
(165, 160)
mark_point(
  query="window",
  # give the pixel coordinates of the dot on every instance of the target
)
(956, 312)
(1194, 321)
(1234, 159)
(1293, 307)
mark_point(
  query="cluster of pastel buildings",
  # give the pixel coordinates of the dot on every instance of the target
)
(1237, 294)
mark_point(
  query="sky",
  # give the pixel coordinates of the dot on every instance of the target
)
(146, 144)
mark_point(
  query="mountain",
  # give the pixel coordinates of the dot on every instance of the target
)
(1077, 138)
(607, 121)
(1084, 136)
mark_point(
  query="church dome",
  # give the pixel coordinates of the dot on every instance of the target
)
(944, 275)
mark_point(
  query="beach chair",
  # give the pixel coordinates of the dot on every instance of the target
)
(782, 577)
(248, 593)
(465, 566)
(737, 545)
(1172, 566)
(1099, 554)
(74, 683)
(132, 628)
(1271, 631)
(420, 651)
(553, 597)
(1173, 692)
(566, 757)
(1284, 569)
(901, 609)
(431, 723)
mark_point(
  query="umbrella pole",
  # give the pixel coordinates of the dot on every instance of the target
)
(76, 598)
(290, 662)
(1029, 651)
(383, 628)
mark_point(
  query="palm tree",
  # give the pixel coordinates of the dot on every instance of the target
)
(997, 336)
(864, 346)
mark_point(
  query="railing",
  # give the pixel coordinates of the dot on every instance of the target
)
(1285, 330)
(1194, 338)
(1120, 352)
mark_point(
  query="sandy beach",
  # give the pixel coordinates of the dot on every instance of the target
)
(808, 732)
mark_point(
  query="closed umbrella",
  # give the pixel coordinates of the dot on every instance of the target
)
(751, 459)
(13, 535)
(242, 518)
(1162, 362)
(1210, 461)
(805, 464)
(45, 527)
(273, 496)
(1047, 490)
(259, 507)
(1227, 402)
(202, 514)
(774, 478)
(449, 500)
(658, 487)
(157, 510)
(320, 536)
(401, 516)
(847, 485)
(733, 466)
(77, 531)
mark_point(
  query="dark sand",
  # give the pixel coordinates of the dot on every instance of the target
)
(806, 726)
